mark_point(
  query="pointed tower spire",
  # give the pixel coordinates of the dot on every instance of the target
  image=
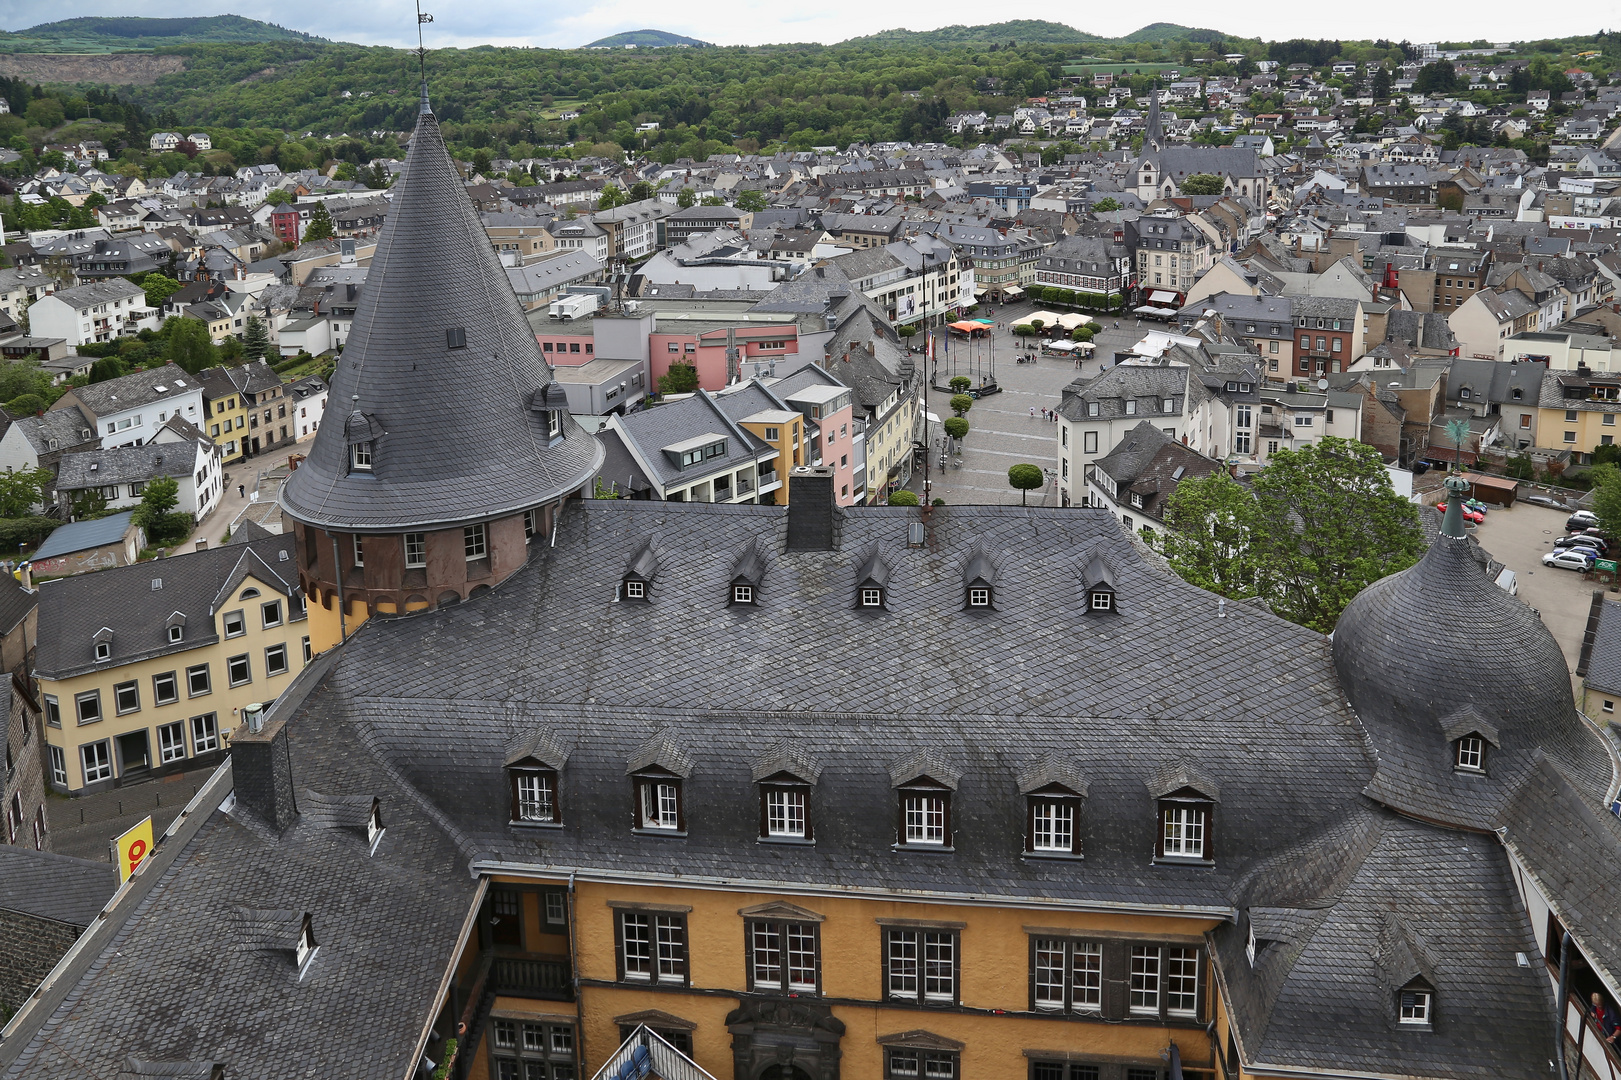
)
(1153, 134)
(1452, 522)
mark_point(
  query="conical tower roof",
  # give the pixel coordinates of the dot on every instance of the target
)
(1153, 133)
(441, 374)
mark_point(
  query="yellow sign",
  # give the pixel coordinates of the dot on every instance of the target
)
(132, 848)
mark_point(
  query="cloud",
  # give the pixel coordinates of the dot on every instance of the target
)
(748, 22)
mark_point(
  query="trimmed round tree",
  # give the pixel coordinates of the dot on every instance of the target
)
(902, 498)
(1026, 478)
(959, 383)
(961, 403)
(956, 427)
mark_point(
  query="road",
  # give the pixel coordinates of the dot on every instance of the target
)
(1002, 430)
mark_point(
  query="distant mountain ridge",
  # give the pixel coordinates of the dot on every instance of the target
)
(1164, 31)
(1024, 31)
(647, 39)
(110, 34)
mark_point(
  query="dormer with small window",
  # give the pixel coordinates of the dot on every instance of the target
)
(748, 569)
(290, 933)
(175, 628)
(979, 581)
(872, 583)
(549, 403)
(534, 769)
(1097, 587)
(1407, 971)
(692, 453)
(1185, 799)
(636, 584)
(786, 776)
(659, 771)
(361, 432)
(1471, 737)
(360, 816)
(103, 644)
(1054, 791)
(924, 783)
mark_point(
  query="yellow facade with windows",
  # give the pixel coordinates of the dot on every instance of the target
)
(989, 1027)
(1579, 427)
(227, 424)
(175, 711)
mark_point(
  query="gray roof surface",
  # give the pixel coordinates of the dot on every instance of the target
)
(122, 464)
(51, 886)
(649, 430)
(1146, 386)
(15, 603)
(459, 439)
(1604, 666)
(84, 535)
(73, 609)
(66, 426)
(133, 390)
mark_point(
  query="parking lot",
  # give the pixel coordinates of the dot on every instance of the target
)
(1518, 537)
(1002, 430)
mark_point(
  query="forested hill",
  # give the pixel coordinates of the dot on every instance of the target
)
(1020, 31)
(97, 34)
(646, 39)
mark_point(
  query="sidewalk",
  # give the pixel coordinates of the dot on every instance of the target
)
(82, 827)
(263, 474)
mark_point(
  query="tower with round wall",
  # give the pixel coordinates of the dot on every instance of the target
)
(447, 448)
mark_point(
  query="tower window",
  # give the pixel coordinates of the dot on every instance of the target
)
(475, 542)
(416, 550)
(456, 337)
(360, 457)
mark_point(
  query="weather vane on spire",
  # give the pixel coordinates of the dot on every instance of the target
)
(422, 53)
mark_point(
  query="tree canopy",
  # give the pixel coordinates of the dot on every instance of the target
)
(320, 226)
(1025, 478)
(1202, 184)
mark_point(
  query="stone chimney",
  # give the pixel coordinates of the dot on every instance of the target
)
(262, 768)
(811, 509)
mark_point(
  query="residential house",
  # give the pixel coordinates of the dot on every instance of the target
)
(119, 475)
(1135, 480)
(692, 451)
(1329, 329)
(38, 442)
(1085, 264)
(1169, 252)
(248, 404)
(1508, 391)
(143, 670)
(82, 547)
(1262, 323)
(539, 283)
(307, 398)
(1576, 412)
(129, 410)
(581, 234)
(1488, 318)
(632, 228)
(96, 312)
(914, 281)
(46, 902)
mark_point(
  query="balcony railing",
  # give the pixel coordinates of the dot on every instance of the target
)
(744, 485)
(768, 476)
(517, 976)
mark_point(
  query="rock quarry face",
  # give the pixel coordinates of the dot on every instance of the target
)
(121, 69)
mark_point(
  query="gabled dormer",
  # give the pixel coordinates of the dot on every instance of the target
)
(360, 816)
(1185, 799)
(659, 770)
(1470, 738)
(1097, 587)
(1407, 974)
(748, 570)
(692, 453)
(549, 403)
(102, 643)
(979, 574)
(361, 432)
(872, 582)
(1055, 791)
(534, 769)
(786, 775)
(174, 628)
(636, 583)
(924, 783)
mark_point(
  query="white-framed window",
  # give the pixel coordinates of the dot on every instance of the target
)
(104, 650)
(276, 660)
(783, 956)
(1089, 442)
(176, 633)
(1472, 753)
(53, 711)
(416, 550)
(1102, 601)
(1415, 1007)
(270, 614)
(537, 796)
(360, 457)
(1184, 831)
(653, 947)
(742, 594)
(59, 766)
(236, 624)
(660, 805)
(127, 697)
(96, 760)
(1068, 975)
(165, 689)
(785, 812)
(979, 596)
(921, 964)
(635, 590)
(1052, 825)
(474, 542)
(872, 598)
(1145, 975)
(171, 742)
(205, 733)
(358, 545)
(925, 818)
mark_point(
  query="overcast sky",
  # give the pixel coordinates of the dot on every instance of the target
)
(749, 22)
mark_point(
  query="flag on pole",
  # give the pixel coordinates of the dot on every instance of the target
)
(424, 17)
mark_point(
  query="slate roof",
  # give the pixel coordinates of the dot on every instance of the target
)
(84, 535)
(133, 390)
(648, 431)
(99, 292)
(15, 603)
(1604, 663)
(51, 886)
(73, 609)
(67, 427)
(1149, 463)
(1147, 386)
(123, 464)
(459, 440)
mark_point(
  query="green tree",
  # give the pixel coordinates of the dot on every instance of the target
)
(713, 200)
(961, 403)
(959, 383)
(612, 195)
(680, 379)
(1202, 184)
(108, 367)
(906, 331)
(1607, 497)
(21, 491)
(1026, 478)
(158, 287)
(25, 405)
(1209, 523)
(686, 198)
(46, 112)
(320, 226)
(902, 498)
(641, 191)
(189, 344)
(278, 197)
(156, 515)
(1437, 76)
(1381, 83)
(956, 427)
(1603, 454)
(1105, 206)
(86, 504)
(255, 339)
(1024, 329)
(751, 201)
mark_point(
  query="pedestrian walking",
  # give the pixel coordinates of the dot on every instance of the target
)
(1032, 412)
(241, 491)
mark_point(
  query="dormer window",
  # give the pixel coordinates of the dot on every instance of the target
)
(924, 784)
(748, 568)
(785, 775)
(374, 825)
(1097, 584)
(635, 590)
(104, 650)
(1468, 730)
(872, 582)
(659, 770)
(534, 765)
(176, 634)
(1516, 393)
(742, 594)
(1185, 800)
(637, 581)
(307, 946)
(1054, 790)
(554, 423)
(979, 579)
(1471, 754)
(360, 457)
(103, 641)
(1463, 394)
(1415, 1005)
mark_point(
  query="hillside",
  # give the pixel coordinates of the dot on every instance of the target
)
(1164, 31)
(646, 39)
(1022, 31)
(97, 34)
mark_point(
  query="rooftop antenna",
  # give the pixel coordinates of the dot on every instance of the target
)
(422, 55)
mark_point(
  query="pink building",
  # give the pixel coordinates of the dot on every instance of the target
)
(706, 350)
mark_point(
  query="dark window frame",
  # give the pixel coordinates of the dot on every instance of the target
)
(652, 976)
(784, 986)
(642, 782)
(1063, 798)
(921, 997)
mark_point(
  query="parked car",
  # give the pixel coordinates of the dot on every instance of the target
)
(1476, 505)
(1569, 559)
(1473, 515)
(1581, 519)
(1546, 500)
(1582, 540)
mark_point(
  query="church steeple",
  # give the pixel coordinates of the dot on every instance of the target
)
(1153, 135)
